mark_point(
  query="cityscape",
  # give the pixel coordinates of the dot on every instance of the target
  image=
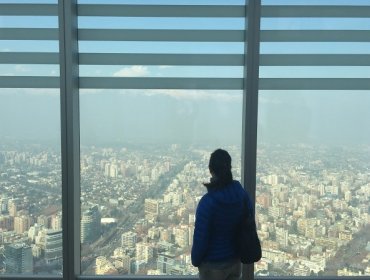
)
(138, 204)
(151, 89)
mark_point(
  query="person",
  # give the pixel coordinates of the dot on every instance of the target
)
(217, 220)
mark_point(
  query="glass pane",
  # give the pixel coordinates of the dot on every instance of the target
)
(313, 183)
(30, 159)
(30, 182)
(144, 156)
(144, 153)
(313, 155)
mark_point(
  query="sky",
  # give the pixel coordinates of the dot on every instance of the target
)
(184, 116)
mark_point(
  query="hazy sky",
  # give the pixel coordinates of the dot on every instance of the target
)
(191, 116)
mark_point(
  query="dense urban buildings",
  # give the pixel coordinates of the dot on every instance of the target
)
(137, 217)
(18, 258)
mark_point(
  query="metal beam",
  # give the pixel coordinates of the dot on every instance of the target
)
(317, 11)
(102, 10)
(29, 58)
(315, 60)
(29, 34)
(250, 107)
(29, 82)
(314, 84)
(315, 36)
(160, 59)
(70, 137)
(161, 83)
(28, 10)
(169, 35)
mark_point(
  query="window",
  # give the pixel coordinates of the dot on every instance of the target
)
(109, 111)
(158, 94)
(313, 154)
(30, 159)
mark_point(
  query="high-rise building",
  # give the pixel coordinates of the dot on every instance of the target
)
(113, 171)
(282, 236)
(12, 207)
(107, 169)
(165, 262)
(21, 224)
(90, 224)
(181, 234)
(128, 239)
(34, 231)
(18, 259)
(6, 222)
(144, 252)
(3, 205)
(56, 221)
(151, 208)
(53, 246)
(43, 220)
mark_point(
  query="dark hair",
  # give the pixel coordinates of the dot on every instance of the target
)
(220, 166)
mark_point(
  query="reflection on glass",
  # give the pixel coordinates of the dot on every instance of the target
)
(144, 156)
(30, 182)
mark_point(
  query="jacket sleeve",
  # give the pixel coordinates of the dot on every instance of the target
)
(201, 230)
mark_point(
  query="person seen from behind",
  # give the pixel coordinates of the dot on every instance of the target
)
(217, 223)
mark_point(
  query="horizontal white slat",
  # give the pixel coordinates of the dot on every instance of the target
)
(320, 11)
(190, 83)
(161, 35)
(189, 35)
(315, 60)
(161, 59)
(28, 82)
(125, 59)
(161, 83)
(315, 36)
(161, 10)
(313, 84)
(28, 58)
(189, 59)
(29, 34)
(28, 9)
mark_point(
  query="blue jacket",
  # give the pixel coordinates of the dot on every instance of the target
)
(218, 216)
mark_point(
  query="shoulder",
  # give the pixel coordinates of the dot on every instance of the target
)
(237, 184)
(206, 202)
(242, 192)
(206, 199)
(239, 187)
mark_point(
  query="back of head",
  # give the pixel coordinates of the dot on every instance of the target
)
(220, 168)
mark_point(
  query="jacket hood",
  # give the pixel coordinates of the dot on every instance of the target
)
(231, 193)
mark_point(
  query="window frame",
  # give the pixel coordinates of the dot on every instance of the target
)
(70, 137)
(71, 142)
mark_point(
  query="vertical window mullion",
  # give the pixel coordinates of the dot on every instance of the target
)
(70, 133)
(250, 106)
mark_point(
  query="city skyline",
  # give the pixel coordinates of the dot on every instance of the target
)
(152, 198)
